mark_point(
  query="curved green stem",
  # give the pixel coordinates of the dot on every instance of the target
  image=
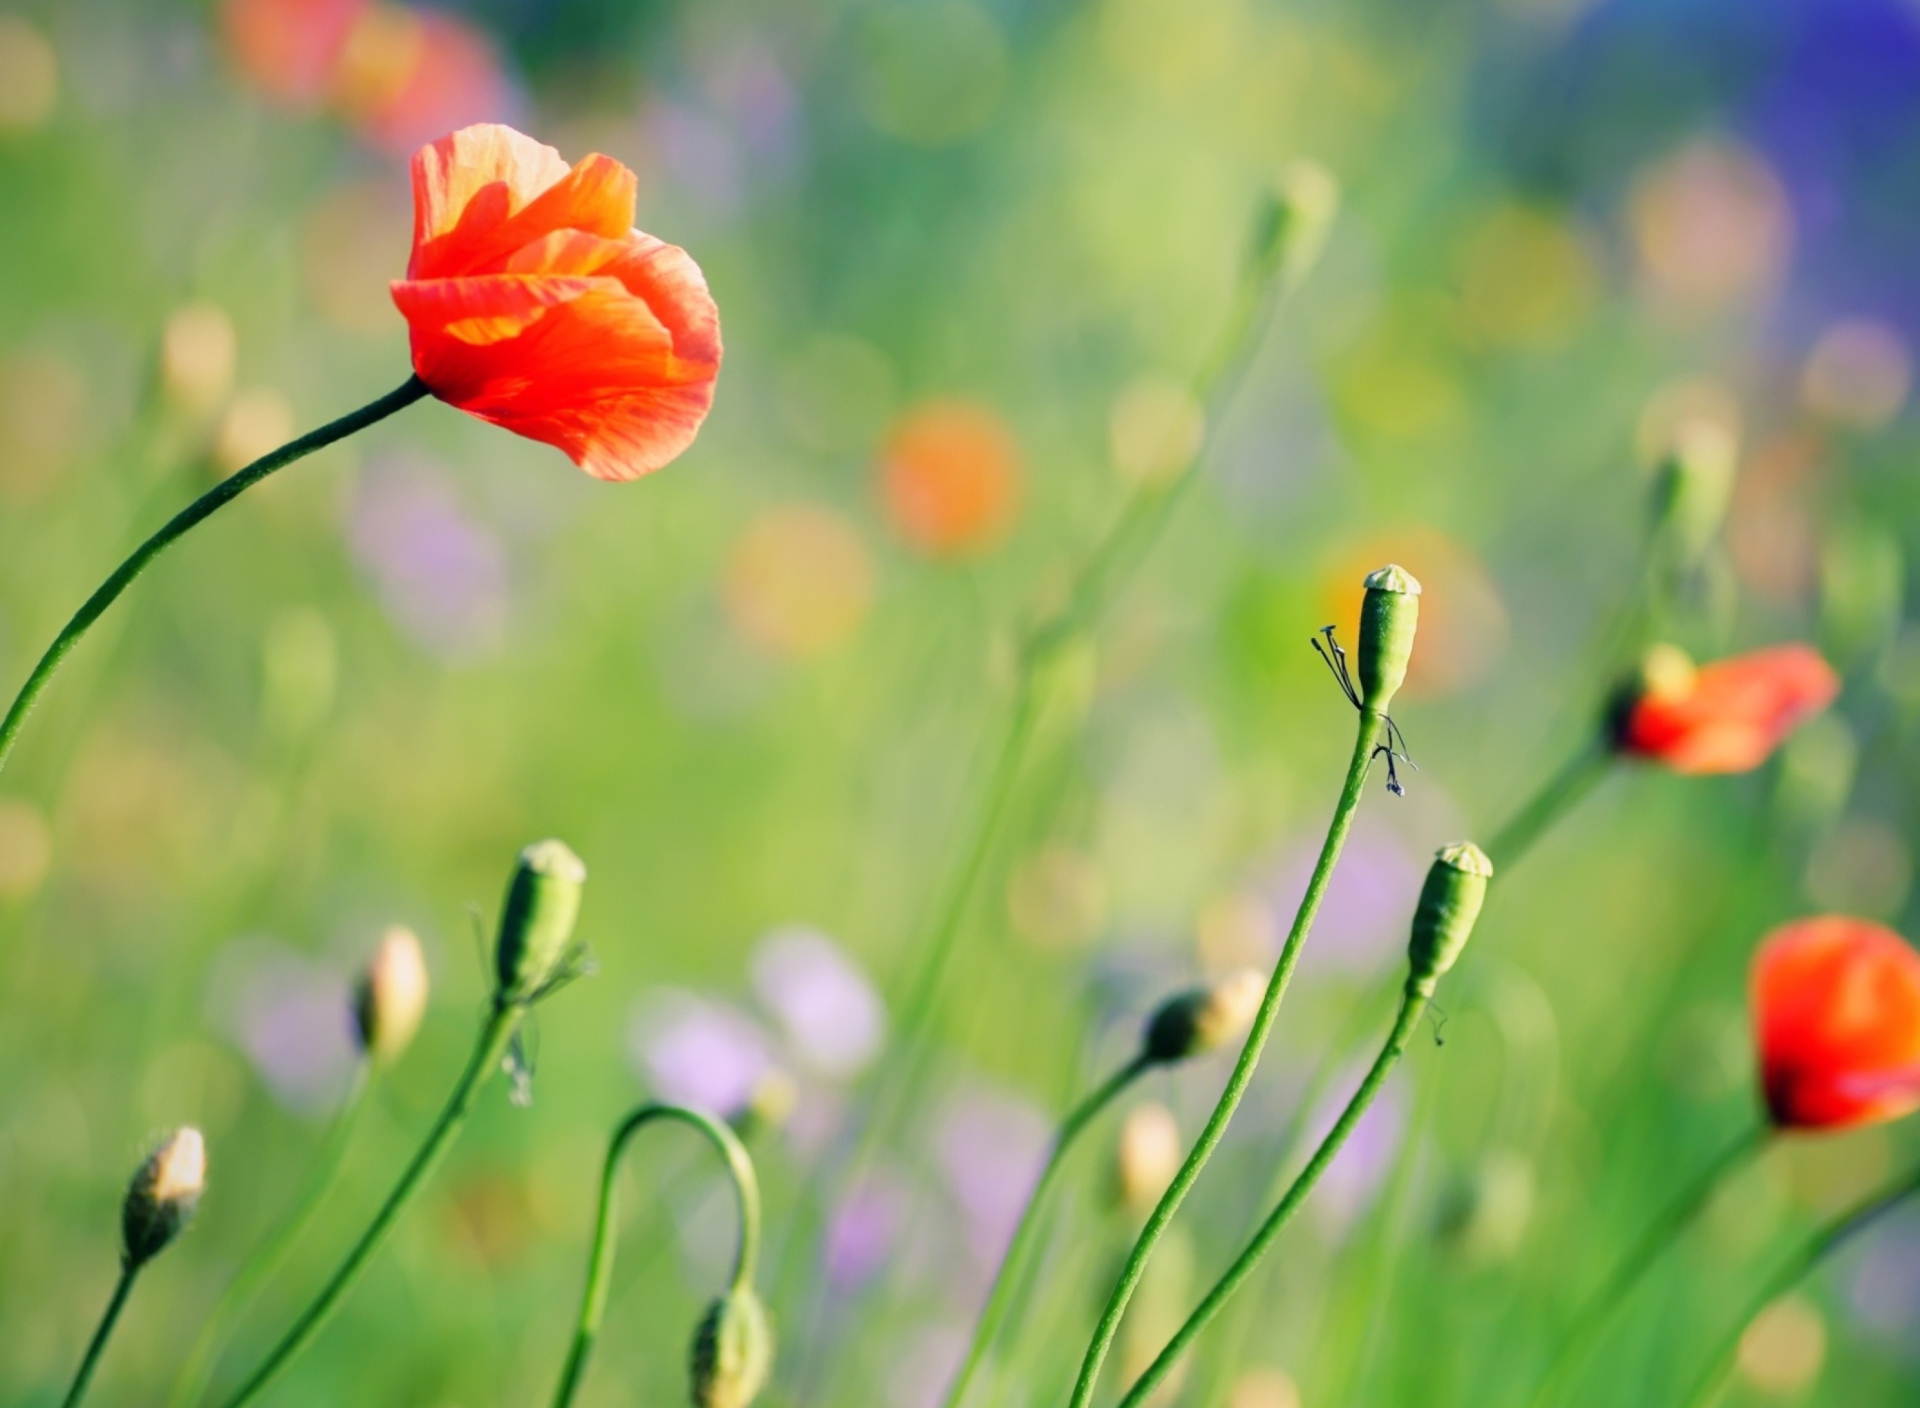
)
(271, 1253)
(503, 1019)
(176, 528)
(1555, 798)
(1372, 725)
(91, 1359)
(999, 1298)
(1660, 1234)
(1412, 1005)
(746, 1193)
(1816, 1250)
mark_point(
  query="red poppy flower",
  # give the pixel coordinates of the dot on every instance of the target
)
(533, 303)
(1725, 717)
(288, 48)
(1836, 1010)
(407, 74)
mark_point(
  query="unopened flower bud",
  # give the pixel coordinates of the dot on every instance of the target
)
(1295, 219)
(732, 1351)
(1148, 1156)
(1389, 615)
(1665, 675)
(1694, 485)
(1450, 900)
(543, 900)
(1202, 1019)
(161, 1199)
(391, 996)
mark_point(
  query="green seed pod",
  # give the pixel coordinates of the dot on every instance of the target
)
(1292, 227)
(1202, 1019)
(732, 1351)
(543, 900)
(1450, 901)
(1389, 615)
(161, 1199)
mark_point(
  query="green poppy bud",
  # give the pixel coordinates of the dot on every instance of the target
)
(732, 1351)
(1450, 901)
(161, 1199)
(1202, 1019)
(543, 900)
(1295, 219)
(1389, 615)
(1693, 486)
(391, 996)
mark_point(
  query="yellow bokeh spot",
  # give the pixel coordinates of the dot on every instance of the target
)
(29, 75)
(799, 581)
(1526, 278)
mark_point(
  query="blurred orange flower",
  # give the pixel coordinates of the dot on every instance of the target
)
(1836, 1011)
(407, 75)
(533, 303)
(288, 49)
(1463, 621)
(950, 478)
(1725, 717)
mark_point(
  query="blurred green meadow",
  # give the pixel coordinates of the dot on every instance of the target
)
(758, 695)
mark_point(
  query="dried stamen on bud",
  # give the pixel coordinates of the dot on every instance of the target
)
(1450, 900)
(536, 923)
(732, 1351)
(161, 1199)
(1389, 616)
(1202, 1019)
(391, 996)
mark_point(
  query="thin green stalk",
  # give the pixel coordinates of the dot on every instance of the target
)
(1412, 1005)
(121, 1290)
(999, 1298)
(746, 1192)
(1371, 727)
(1660, 1234)
(1575, 779)
(177, 527)
(260, 1267)
(503, 1019)
(1817, 1249)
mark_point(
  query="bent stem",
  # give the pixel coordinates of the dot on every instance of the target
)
(1371, 727)
(1412, 1005)
(999, 1298)
(91, 1359)
(272, 1252)
(503, 1019)
(1817, 1249)
(1677, 1217)
(746, 1193)
(177, 527)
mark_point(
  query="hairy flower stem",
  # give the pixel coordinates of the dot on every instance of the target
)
(503, 1019)
(1660, 1234)
(272, 1252)
(1000, 1297)
(91, 1359)
(746, 1193)
(1413, 1004)
(1372, 728)
(177, 527)
(1811, 1254)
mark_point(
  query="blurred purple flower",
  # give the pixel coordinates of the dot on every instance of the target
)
(699, 154)
(1362, 925)
(289, 1013)
(747, 86)
(1365, 1160)
(694, 1051)
(1884, 1288)
(830, 1012)
(441, 575)
(865, 1229)
(990, 1148)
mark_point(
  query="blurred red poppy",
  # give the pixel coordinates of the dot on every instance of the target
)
(533, 303)
(1836, 1011)
(288, 49)
(407, 75)
(1725, 717)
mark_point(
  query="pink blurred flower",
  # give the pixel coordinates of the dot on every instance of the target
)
(441, 575)
(288, 49)
(290, 1014)
(865, 1230)
(831, 1014)
(991, 1148)
(1360, 1168)
(695, 1051)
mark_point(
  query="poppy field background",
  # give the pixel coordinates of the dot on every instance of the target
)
(969, 255)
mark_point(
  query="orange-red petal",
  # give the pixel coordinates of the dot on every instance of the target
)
(1836, 1010)
(1734, 713)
